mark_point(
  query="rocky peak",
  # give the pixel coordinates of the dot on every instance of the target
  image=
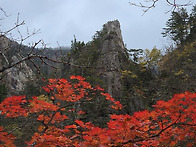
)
(113, 55)
(113, 27)
(108, 57)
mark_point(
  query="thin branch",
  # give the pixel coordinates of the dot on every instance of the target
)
(16, 26)
(1, 9)
(30, 57)
(46, 63)
(173, 5)
(35, 65)
(34, 55)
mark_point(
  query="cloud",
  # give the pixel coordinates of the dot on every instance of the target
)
(59, 20)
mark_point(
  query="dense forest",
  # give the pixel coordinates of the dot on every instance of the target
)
(101, 93)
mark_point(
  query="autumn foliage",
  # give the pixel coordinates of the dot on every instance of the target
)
(170, 123)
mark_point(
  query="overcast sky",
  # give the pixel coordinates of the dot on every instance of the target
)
(60, 20)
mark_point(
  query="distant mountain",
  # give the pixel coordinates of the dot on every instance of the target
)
(16, 78)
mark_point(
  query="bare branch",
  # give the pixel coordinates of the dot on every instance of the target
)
(1, 9)
(28, 34)
(3, 34)
(31, 56)
(147, 5)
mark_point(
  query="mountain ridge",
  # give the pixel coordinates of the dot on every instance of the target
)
(108, 64)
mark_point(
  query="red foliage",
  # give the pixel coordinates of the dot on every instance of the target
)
(6, 139)
(170, 123)
(13, 106)
(37, 105)
(117, 105)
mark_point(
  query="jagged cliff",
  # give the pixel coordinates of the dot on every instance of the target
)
(25, 77)
(112, 57)
(16, 77)
(106, 59)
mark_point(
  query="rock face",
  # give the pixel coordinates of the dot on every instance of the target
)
(16, 77)
(4, 45)
(115, 60)
(112, 56)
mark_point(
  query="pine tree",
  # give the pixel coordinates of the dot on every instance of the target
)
(177, 27)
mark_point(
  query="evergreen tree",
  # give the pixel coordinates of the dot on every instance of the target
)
(192, 21)
(177, 26)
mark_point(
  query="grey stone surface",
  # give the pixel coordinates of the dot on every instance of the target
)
(110, 60)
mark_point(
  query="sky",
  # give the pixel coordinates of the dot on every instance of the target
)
(59, 20)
